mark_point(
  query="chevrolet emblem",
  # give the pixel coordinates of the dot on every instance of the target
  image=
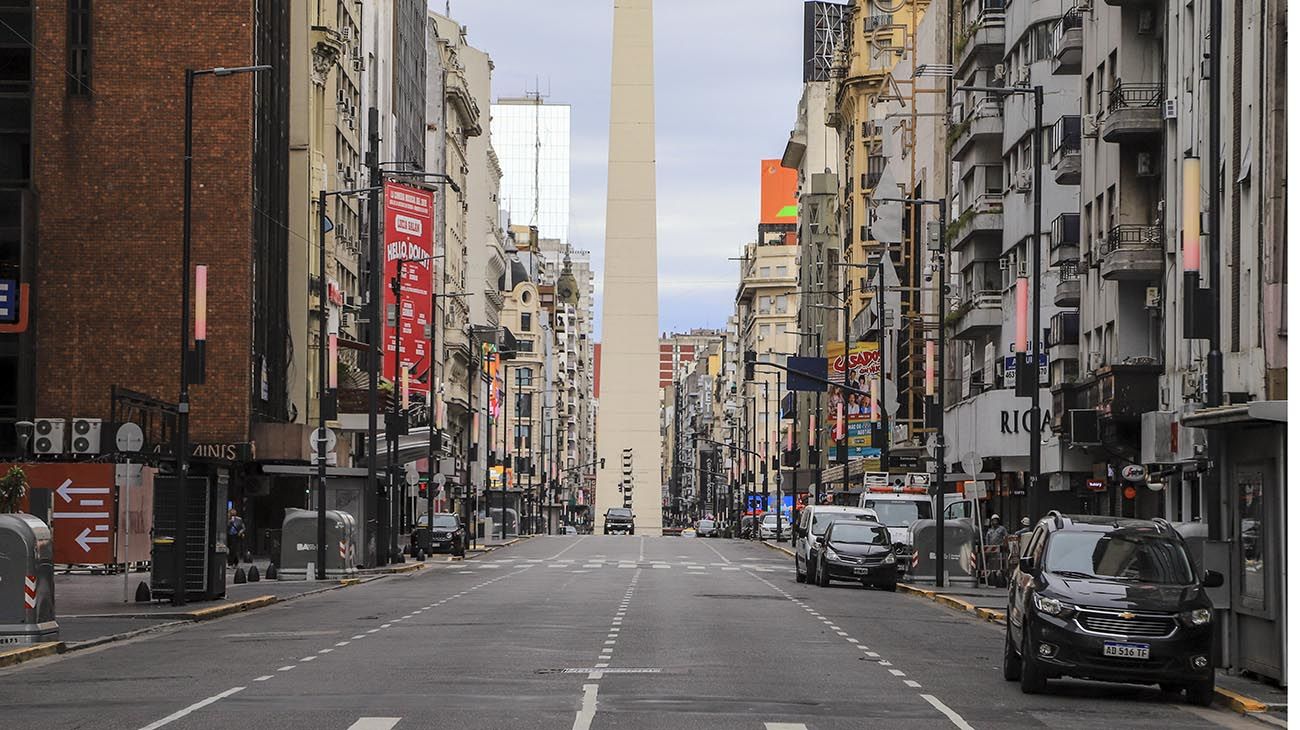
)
(1127, 614)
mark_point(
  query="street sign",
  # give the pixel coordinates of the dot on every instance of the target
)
(331, 440)
(1134, 473)
(971, 463)
(81, 515)
(1096, 485)
(130, 438)
(8, 300)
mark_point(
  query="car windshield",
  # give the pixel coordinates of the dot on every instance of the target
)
(1139, 555)
(853, 534)
(771, 519)
(899, 513)
(618, 512)
(821, 521)
(706, 523)
(448, 522)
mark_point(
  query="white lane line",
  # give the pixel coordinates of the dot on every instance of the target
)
(570, 547)
(610, 642)
(375, 723)
(842, 633)
(912, 683)
(602, 666)
(884, 663)
(308, 659)
(372, 631)
(897, 673)
(343, 643)
(262, 678)
(785, 726)
(325, 651)
(851, 640)
(588, 711)
(873, 655)
(956, 719)
(196, 706)
(358, 636)
(384, 626)
(286, 668)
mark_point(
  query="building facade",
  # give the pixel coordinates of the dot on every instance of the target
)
(532, 139)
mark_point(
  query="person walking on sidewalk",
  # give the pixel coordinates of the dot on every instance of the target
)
(996, 534)
(234, 537)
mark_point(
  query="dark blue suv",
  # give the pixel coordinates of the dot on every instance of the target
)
(1110, 599)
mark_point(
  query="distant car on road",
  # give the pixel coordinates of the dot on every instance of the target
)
(568, 530)
(688, 532)
(813, 521)
(619, 519)
(767, 527)
(448, 534)
(1112, 599)
(857, 550)
(706, 528)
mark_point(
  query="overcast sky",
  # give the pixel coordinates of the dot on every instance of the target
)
(727, 76)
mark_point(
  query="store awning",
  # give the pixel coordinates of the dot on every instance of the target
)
(1260, 413)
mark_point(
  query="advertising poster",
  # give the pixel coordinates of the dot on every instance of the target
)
(851, 412)
(779, 192)
(408, 251)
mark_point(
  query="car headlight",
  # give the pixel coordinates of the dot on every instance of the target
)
(889, 559)
(831, 554)
(1051, 606)
(1198, 616)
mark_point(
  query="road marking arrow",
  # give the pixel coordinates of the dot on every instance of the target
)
(84, 539)
(66, 490)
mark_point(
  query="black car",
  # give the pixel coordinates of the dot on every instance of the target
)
(707, 528)
(619, 519)
(1110, 599)
(448, 534)
(856, 550)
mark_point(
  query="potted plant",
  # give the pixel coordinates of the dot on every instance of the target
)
(13, 487)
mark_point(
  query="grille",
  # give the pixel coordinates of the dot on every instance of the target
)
(1140, 626)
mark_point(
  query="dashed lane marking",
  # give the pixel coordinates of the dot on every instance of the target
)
(262, 678)
(375, 723)
(188, 710)
(952, 716)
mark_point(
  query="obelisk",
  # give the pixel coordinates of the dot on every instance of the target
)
(627, 425)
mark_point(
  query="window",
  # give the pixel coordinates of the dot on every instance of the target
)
(78, 48)
(525, 322)
(779, 330)
(523, 438)
(764, 305)
(780, 305)
(524, 376)
(524, 405)
(765, 271)
(1250, 488)
(764, 331)
(782, 271)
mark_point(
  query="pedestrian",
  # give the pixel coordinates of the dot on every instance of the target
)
(996, 534)
(1024, 526)
(234, 537)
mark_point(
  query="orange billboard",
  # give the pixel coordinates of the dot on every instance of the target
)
(779, 194)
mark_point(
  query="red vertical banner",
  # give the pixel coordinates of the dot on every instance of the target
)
(408, 252)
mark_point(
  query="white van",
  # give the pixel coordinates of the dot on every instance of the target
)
(813, 521)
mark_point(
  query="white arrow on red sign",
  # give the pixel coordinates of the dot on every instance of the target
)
(66, 490)
(84, 539)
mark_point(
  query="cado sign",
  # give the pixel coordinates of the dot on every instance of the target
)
(1134, 473)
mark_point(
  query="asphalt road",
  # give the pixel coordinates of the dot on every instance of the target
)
(589, 633)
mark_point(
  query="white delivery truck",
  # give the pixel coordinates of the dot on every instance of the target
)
(900, 506)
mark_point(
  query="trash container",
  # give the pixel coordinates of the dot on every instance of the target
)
(961, 561)
(205, 539)
(298, 545)
(26, 581)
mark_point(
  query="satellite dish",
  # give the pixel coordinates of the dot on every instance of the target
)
(130, 437)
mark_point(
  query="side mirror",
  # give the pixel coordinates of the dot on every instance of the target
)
(1026, 564)
(1212, 579)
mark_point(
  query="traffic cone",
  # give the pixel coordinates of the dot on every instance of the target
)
(240, 576)
(253, 574)
(142, 593)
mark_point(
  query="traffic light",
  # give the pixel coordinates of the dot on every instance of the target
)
(626, 486)
(750, 358)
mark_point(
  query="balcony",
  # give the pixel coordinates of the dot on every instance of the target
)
(985, 36)
(1066, 136)
(1067, 43)
(1132, 252)
(981, 314)
(1134, 113)
(1124, 392)
(1065, 238)
(983, 219)
(875, 170)
(982, 124)
(1067, 285)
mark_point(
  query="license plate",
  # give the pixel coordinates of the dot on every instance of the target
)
(437, 543)
(1126, 650)
(861, 571)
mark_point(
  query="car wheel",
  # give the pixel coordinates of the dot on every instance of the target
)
(1010, 659)
(823, 576)
(1032, 678)
(1201, 693)
(798, 576)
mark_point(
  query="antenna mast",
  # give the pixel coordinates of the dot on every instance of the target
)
(536, 95)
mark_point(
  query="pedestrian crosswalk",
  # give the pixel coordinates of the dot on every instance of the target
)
(587, 564)
(388, 723)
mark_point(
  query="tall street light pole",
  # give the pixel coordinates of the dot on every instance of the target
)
(183, 401)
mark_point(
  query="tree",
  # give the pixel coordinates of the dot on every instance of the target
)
(13, 486)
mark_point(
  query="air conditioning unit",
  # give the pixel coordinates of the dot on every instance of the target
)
(356, 54)
(49, 436)
(1004, 264)
(1088, 122)
(85, 435)
(999, 71)
(1083, 6)
(1024, 180)
(346, 33)
(357, 65)
(1171, 109)
(1022, 76)
(1146, 165)
(1146, 24)
(1153, 297)
(348, 320)
(1022, 270)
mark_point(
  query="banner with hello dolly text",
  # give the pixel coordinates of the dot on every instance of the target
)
(408, 246)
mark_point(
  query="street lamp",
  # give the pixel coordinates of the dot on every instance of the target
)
(1024, 380)
(183, 402)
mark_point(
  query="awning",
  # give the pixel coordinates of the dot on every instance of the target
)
(1258, 413)
(311, 471)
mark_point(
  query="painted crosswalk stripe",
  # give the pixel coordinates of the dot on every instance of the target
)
(785, 726)
(375, 723)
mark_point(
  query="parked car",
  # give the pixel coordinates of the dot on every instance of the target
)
(619, 519)
(856, 550)
(1110, 599)
(767, 528)
(568, 530)
(813, 521)
(448, 534)
(706, 528)
(688, 532)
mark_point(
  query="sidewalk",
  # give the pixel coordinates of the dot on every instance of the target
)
(1236, 692)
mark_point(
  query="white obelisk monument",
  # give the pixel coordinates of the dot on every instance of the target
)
(627, 425)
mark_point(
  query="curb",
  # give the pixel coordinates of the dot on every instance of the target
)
(991, 615)
(207, 614)
(951, 602)
(909, 588)
(28, 653)
(1238, 702)
(778, 548)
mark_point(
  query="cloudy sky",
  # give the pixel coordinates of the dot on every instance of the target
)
(727, 84)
